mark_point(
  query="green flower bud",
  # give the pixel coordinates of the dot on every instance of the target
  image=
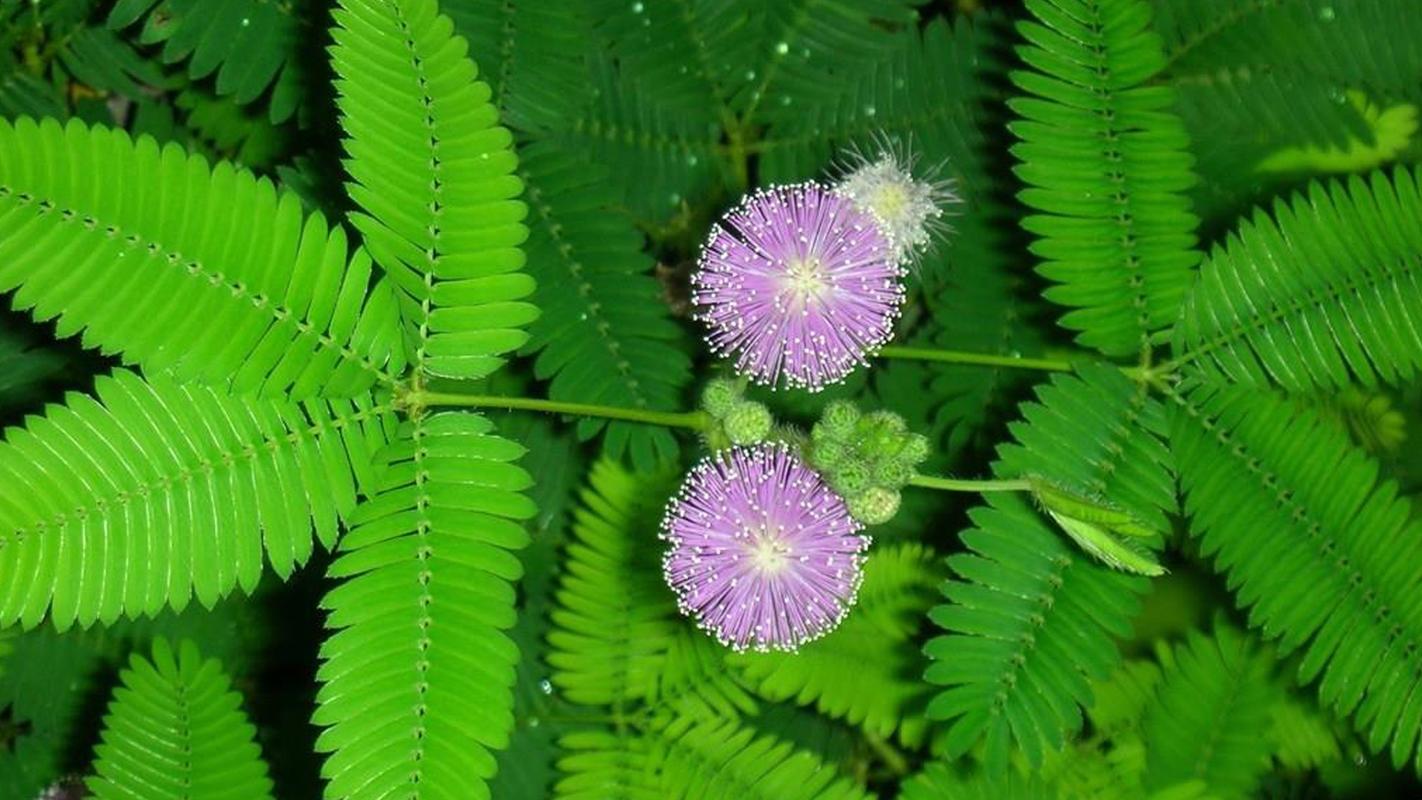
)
(850, 478)
(719, 397)
(874, 506)
(892, 474)
(839, 418)
(827, 454)
(886, 423)
(914, 450)
(747, 422)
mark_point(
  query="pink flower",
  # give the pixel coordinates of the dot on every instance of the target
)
(798, 284)
(763, 554)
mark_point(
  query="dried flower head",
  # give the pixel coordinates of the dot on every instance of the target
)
(763, 554)
(798, 284)
(909, 206)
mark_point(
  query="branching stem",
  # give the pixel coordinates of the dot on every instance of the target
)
(977, 359)
(968, 485)
(693, 420)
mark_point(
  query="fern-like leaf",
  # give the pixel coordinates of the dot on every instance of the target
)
(175, 731)
(1031, 618)
(204, 272)
(938, 781)
(865, 671)
(1322, 552)
(605, 336)
(1107, 164)
(417, 674)
(249, 44)
(158, 492)
(714, 759)
(1326, 293)
(617, 635)
(1212, 716)
(433, 174)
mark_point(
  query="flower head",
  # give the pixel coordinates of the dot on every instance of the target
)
(909, 208)
(799, 284)
(763, 554)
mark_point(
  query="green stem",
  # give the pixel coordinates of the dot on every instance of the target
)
(957, 485)
(979, 359)
(694, 420)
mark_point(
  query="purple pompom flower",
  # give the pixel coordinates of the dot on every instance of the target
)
(799, 284)
(763, 554)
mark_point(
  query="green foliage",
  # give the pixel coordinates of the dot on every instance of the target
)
(617, 636)
(511, 198)
(432, 172)
(418, 624)
(1254, 80)
(1346, 308)
(158, 492)
(174, 731)
(290, 317)
(863, 672)
(1106, 162)
(1030, 619)
(1322, 551)
(709, 760)
(248, 45)
(1212, 716)
(603, 336)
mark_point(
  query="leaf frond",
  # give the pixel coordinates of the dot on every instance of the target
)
(1322, 552)
(157, 492)
(1325, 292)
(866, 671)
(1031, 618)
(1107, 164)
(175, 731)
(224, 280)
(432, 171)
(419, 623)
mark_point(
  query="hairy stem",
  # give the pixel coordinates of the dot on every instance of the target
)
(965, 485)
(693, 420)
(979, 359)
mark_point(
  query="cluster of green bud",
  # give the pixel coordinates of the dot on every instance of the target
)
(735, 420)
(867, 458)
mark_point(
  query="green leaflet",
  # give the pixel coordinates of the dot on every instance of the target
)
(433, 173)
(174, 731)
(1325, 293)
(159, 492)
(1107, 164)
(1322, 552)
(293, 315)
(418, 623)
(1098, 527)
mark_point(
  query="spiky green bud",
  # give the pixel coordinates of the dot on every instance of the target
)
(849, 478)
(892, 474)
(719, 397)
(874, 506)
(839, 419)
(914, 450)
(827, 453)
(747, 422)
